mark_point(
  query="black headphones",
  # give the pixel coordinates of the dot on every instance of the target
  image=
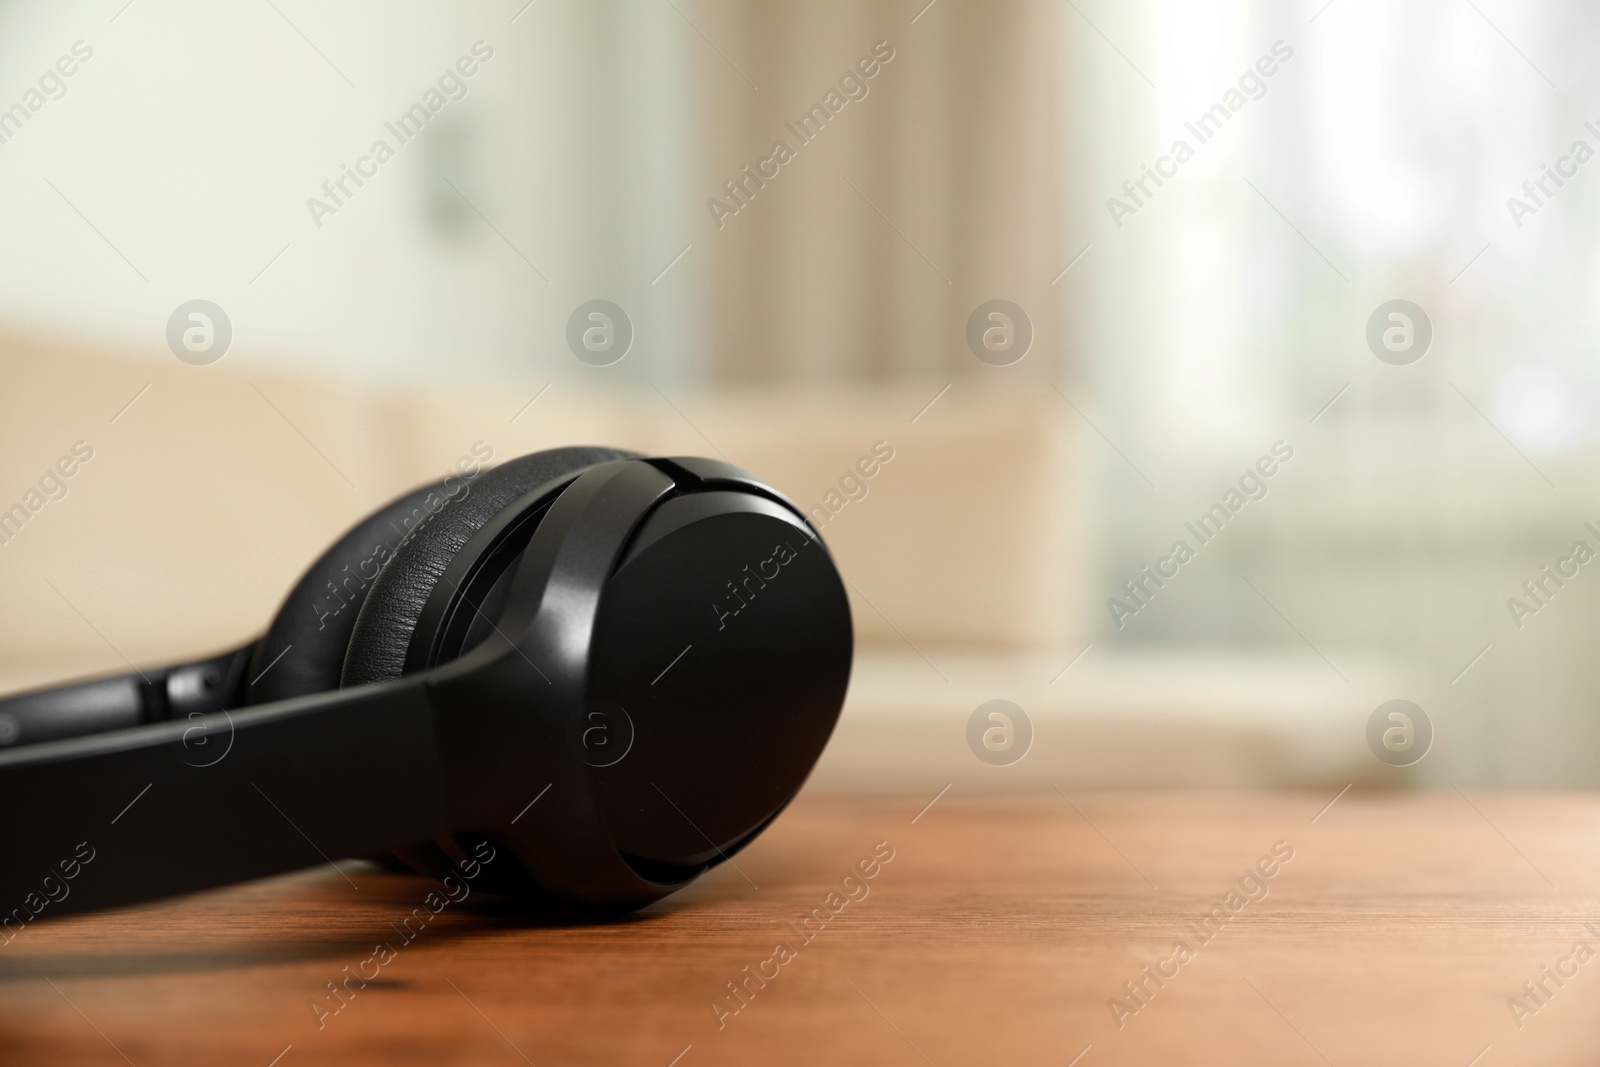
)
(608, 673)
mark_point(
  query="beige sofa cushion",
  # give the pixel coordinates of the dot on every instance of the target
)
(208, 494)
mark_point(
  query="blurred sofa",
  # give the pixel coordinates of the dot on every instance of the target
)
(968, 549)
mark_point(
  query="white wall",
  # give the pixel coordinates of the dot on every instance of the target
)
(194, 135)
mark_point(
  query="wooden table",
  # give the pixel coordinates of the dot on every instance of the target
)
(996, 934)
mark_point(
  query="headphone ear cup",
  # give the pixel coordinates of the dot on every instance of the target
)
(382, 635)
(303, 651)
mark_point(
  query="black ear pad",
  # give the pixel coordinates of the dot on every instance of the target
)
(304, 649)
(383, 629)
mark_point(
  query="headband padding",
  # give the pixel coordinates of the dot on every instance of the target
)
(318, 615)
(382, 634)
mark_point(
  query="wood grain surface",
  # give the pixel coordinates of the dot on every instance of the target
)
(1000, 932)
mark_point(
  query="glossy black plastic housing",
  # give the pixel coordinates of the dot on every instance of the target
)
(557, 643)
(300, 782)
(619, 681)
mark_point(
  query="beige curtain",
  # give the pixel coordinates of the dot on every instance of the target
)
(936, 191)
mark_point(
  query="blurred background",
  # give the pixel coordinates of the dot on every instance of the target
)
(375, 314)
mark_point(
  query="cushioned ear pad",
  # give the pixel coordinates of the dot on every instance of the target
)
(383, 629)
(303, 650)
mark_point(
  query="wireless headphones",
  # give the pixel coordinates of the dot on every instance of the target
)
(612, 671)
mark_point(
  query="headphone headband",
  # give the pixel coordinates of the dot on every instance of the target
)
(338, 774)
(461, 747)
